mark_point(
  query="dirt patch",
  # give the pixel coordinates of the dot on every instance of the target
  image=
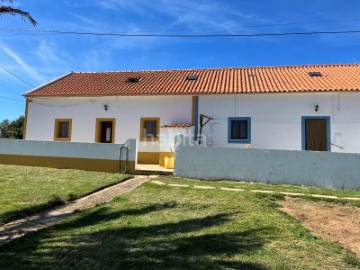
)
(330, 222)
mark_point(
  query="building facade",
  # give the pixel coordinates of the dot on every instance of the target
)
(291, 108)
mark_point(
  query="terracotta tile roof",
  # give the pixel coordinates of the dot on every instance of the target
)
(177, 126)
(210, 81)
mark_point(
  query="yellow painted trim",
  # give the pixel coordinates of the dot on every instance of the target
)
(193, 110)
(162, 156)
(132, 167)
(98, 126)
(142, 122)
(96, 165)
(148, 157)
(25, 118)
(169, 162)
(56, 130)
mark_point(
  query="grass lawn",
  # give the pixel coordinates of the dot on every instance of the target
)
(247, 186)
(25, 190)
(163, 227)
(307, 190)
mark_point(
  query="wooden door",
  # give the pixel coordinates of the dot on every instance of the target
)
(316, 135)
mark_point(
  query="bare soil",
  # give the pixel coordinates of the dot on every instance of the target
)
(330, 222)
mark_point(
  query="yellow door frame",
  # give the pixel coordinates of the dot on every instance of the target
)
(98, 128)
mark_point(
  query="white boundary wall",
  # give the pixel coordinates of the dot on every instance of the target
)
(67, 149)
(323, 169)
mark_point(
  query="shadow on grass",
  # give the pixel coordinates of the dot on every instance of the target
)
(96, 241)
(21, 213)
(52, 202)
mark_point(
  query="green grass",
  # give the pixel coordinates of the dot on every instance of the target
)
(276, 188)
(247, 186)
(163, 227)
(26, 190)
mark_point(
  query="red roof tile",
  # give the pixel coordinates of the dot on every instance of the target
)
(210, 81)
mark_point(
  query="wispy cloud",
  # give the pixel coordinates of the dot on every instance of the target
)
(48, 53)
(191, 15)
(22, 64)
(170, 16)
(88, 23)
(92, 60)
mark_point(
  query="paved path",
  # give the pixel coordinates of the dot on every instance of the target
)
(51, 216)
(159, 183)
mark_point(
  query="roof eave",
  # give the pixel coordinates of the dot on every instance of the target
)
(28, 94)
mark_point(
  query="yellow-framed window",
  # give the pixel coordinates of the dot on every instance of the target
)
(62, 130)
(149, 129)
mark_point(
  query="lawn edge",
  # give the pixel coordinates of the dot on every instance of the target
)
(19, 214)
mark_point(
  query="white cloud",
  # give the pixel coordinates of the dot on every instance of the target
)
(47, 53)
(168, 16)
(193, 16)
(89, 23)
(23, 65)
(91, 60)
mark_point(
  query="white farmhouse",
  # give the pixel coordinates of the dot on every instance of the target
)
(313, 107)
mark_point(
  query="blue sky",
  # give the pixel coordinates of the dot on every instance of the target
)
(38, 58)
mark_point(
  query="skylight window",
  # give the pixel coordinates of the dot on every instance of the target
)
(315, 74)
(192, 78)
(133, 79)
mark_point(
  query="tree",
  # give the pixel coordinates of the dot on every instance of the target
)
(13, 129)
(4, 125)
(7, 10)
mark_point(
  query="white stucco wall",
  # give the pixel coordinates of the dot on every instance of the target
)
(68, 150)
(127, 111)
(276, 118)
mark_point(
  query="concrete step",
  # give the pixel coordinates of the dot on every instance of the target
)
(152, 169)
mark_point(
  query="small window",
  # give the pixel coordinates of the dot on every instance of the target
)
(315, 74)
(62, 130)
(192, 78)
(133, 79)
(149, 129)
(239, 130)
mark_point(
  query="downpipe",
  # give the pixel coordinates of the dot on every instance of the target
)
(126, 158)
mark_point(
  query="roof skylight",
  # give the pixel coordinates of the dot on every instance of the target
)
(192, 78)
(315, 74)
(133, 79)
